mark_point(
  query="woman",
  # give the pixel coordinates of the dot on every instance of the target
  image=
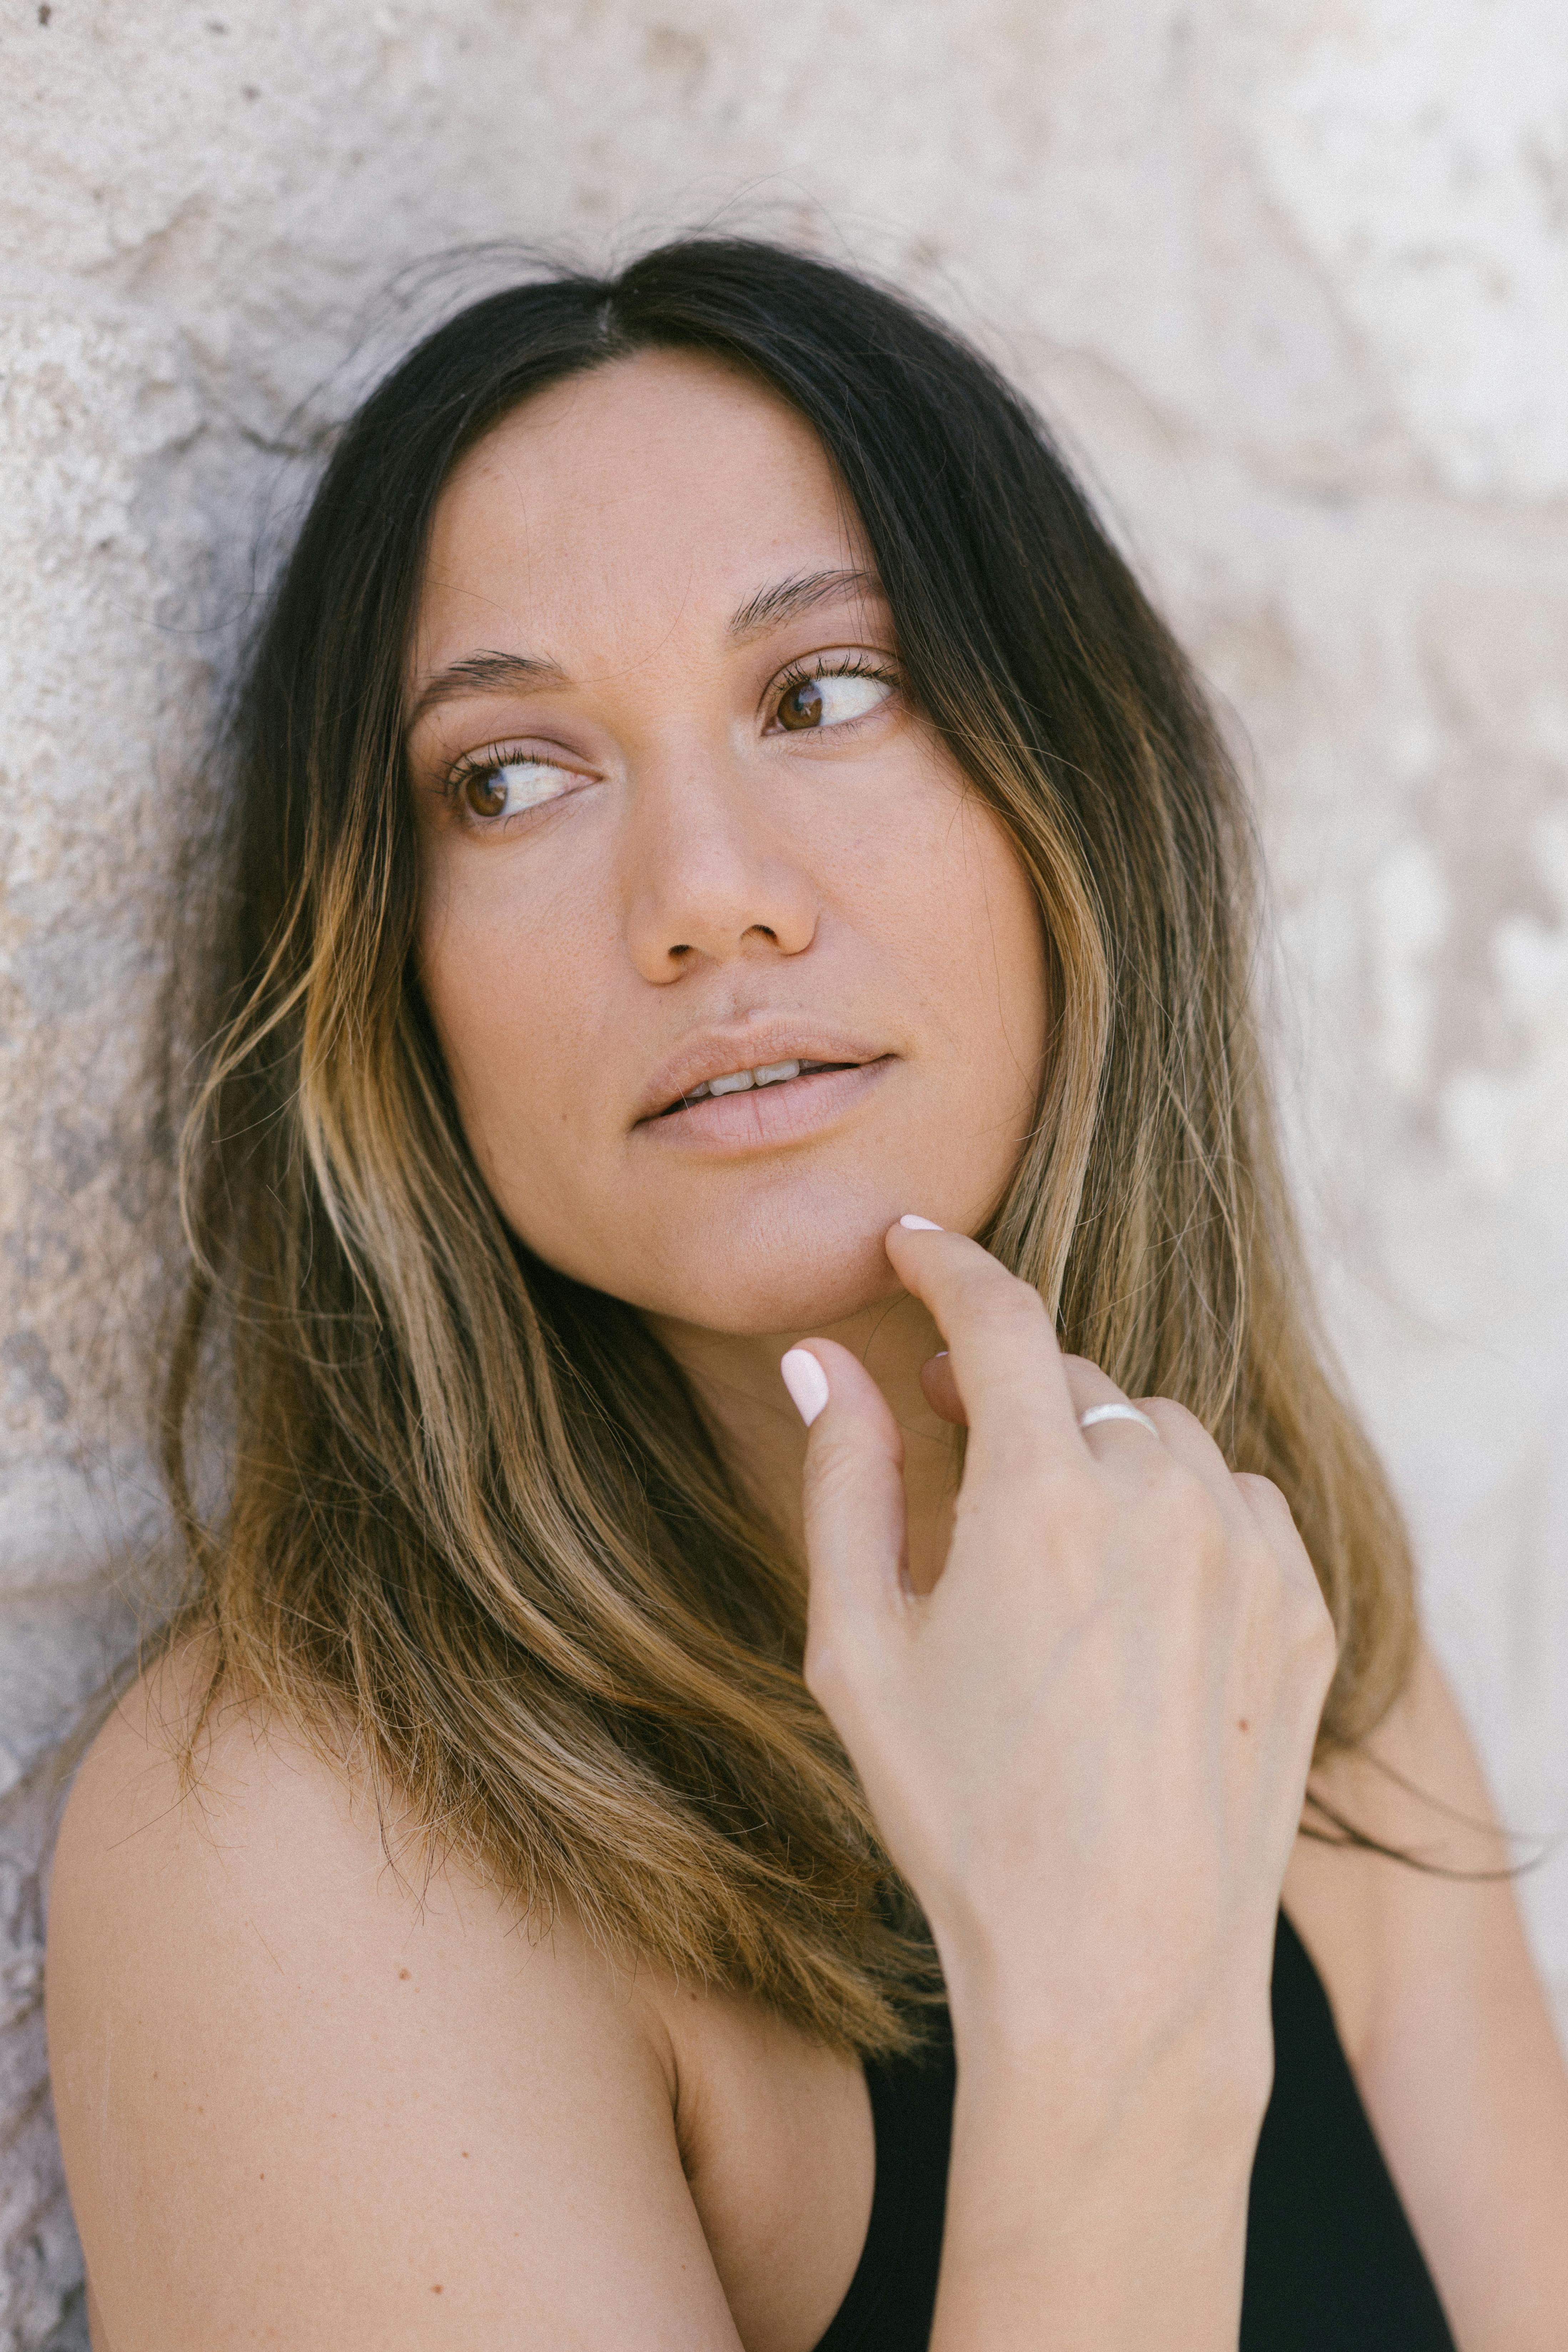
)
(730, 870)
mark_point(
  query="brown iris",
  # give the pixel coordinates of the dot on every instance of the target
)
(484, 791)
(801, 706)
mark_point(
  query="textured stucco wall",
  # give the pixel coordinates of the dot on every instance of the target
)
(1293, 277)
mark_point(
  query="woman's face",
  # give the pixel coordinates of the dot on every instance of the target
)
(729, 966)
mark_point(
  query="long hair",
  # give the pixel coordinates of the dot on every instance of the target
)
(477, 1534)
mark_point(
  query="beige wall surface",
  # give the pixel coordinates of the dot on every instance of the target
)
(1291, 276)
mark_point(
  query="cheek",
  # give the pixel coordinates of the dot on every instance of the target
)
(1014, 961)
(974, 923)
(500, 1002)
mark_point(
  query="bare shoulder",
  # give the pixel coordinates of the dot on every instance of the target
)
(310, 2087)
(1442, 2014)
(1383, 1929)
(136, 1830)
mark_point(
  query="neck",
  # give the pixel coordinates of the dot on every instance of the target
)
(735, 1377)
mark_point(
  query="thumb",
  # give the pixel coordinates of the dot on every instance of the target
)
(855, 1523)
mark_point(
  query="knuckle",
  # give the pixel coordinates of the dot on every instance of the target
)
(1012, 1304)
(1064, 1503)
(844, 1666)
(1077, 1509)
(833, 1470)
(1171, 1419)
(1186, 1506)
(1316, 1664)
(819, 1668)
(1304, 1631)
(1265, 1499)
(986, 1278)
(1318, 1632)
(826, 1669)
(839, 1461)
(1013, 1453)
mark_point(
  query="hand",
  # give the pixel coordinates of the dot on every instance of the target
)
(1086, 1747)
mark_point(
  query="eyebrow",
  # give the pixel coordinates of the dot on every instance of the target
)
(786, 600)
(486, 673)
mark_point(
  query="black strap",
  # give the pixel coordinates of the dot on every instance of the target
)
(1332, 2264)
(893, 2292)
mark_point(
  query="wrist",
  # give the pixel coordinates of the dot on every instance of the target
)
(1096, 2206)
(1115, 2056)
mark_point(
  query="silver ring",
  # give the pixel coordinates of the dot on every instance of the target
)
(1116, 1412)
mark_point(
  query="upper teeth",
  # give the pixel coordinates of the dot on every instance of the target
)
(766, 1074)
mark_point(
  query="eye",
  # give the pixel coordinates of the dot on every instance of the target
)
(503, 788)
(831, 699)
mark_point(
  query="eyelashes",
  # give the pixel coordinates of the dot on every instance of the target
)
(855, 685)
(824, 694)
(500, 782)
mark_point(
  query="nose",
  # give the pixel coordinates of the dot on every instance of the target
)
(710, 876)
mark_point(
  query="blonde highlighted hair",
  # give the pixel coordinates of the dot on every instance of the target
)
(476, 1531)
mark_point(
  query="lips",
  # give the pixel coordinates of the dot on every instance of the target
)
(753, 1058)
(769, 1074)
(783, 1117)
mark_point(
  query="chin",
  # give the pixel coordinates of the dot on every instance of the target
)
(778, 1304)
(771, 1278)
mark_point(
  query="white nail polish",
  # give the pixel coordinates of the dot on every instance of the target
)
(920, 1225)
(807, 1383)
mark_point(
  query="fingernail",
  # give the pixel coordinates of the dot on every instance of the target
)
(807, 1383)
(920, 1225)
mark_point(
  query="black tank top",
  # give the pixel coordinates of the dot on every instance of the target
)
(1332, 2264)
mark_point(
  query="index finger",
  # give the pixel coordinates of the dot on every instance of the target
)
(1001, 1350)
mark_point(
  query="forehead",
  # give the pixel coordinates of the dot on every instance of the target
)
(656, 487)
